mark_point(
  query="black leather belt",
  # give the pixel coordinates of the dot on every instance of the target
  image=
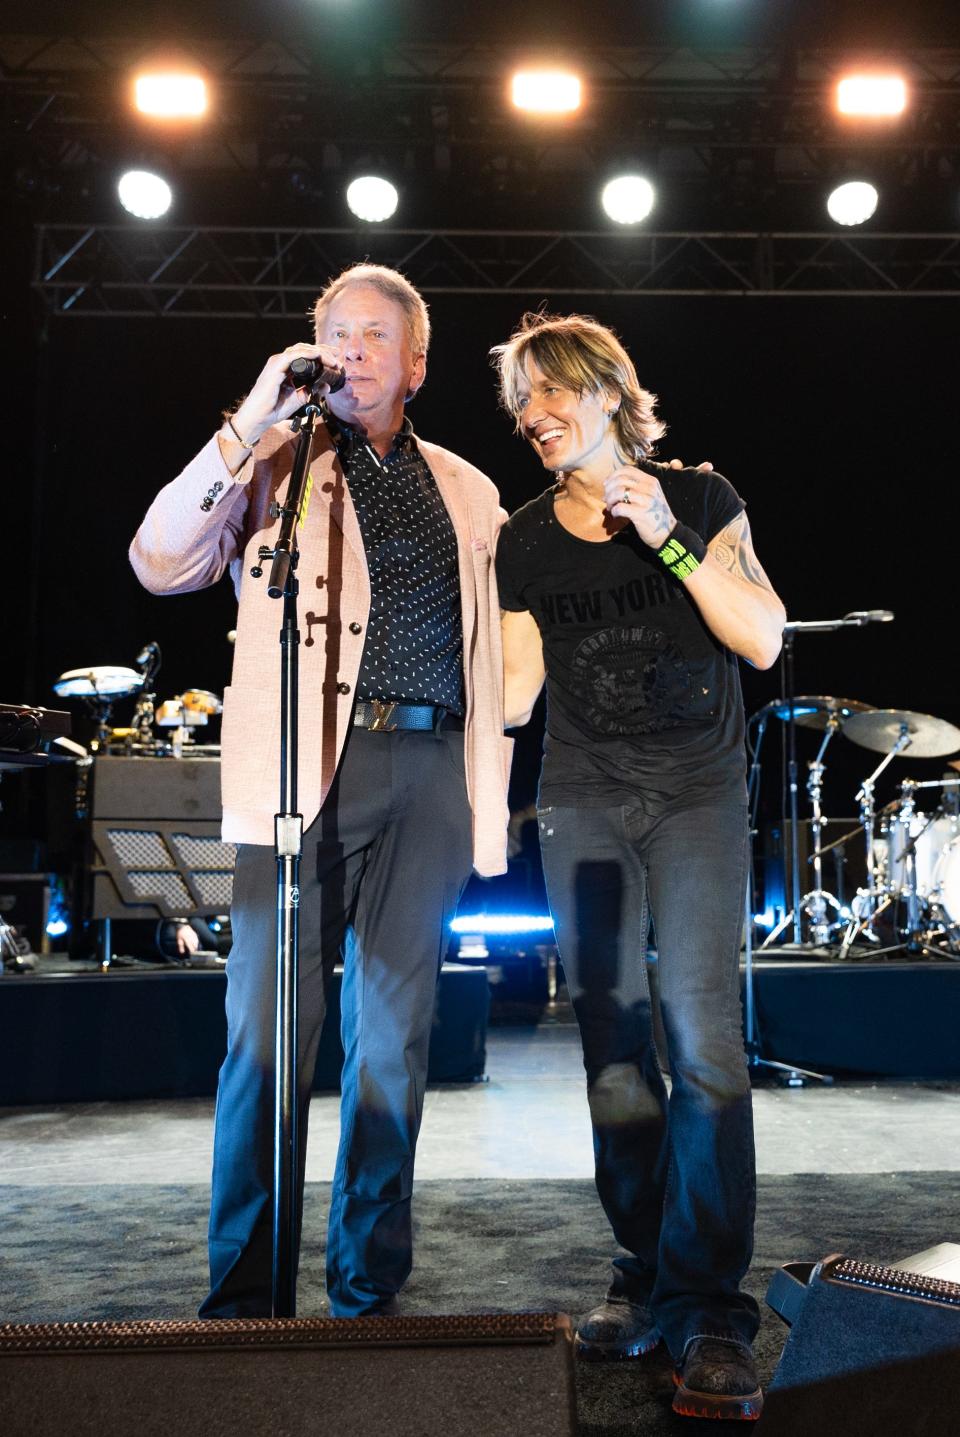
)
(383, 716)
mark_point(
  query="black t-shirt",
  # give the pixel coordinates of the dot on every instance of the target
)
(643, 703)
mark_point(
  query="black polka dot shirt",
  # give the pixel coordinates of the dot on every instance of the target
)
(414, 646)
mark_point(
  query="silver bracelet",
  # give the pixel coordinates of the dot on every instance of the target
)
(244, 443)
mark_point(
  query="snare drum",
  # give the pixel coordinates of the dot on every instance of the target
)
(933, 838)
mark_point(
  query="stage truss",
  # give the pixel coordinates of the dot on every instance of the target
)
(749, 118)
(155, 271)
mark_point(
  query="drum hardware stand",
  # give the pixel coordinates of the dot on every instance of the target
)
(867, 911)
(855, 620)
(790, 1076)
(149, 659)
(908, 856)
(101, 708)
(815, 903)
(288, 837)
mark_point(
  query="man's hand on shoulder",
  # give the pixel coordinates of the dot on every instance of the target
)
(705, 468)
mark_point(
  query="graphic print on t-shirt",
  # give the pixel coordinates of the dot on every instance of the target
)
(631, 680)
(581, 605)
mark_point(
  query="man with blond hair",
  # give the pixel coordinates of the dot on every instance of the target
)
(402, 769)
(632, 590)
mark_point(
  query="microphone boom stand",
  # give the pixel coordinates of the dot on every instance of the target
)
(288, 840)
(855, 620)
(791, 1075)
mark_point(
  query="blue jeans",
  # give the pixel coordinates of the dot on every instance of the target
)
(675, 1173)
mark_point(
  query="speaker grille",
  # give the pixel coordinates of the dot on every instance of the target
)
(524, 1327)
(139, 848)
(168, 887)
(215, 889)
(161, 864)
(890, 1279)
(201, 852)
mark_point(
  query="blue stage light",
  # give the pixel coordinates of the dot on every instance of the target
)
(502, 923)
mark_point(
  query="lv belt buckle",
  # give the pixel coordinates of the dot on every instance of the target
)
(383, 713)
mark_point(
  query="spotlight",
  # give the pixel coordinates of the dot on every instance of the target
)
(628, 199)
(170, 95)
(144, 194)
(872, 96)
(372, 199)
(546, 92)
(852, 203)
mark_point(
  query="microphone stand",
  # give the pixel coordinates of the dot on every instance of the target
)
(789, 1075)
(288, 839)
(855, 620)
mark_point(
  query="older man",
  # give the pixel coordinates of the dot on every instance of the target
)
(402, 773)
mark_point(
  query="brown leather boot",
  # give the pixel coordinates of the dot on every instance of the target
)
(616, 1329)
(717, 1379)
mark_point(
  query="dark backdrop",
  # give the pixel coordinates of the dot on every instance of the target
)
(834, 419)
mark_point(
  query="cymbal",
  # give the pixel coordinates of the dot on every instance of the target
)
(105, 681)
(929, 737)
(816, 710)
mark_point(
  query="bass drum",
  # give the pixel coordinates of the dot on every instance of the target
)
(947, 879)
(932, 838)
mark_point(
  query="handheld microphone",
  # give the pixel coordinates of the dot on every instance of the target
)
(311, 373)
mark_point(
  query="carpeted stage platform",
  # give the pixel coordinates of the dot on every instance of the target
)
(85, 1253)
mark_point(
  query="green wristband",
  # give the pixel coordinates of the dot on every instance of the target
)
(683, 552)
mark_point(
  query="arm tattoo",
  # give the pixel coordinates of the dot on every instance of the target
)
(733, 550)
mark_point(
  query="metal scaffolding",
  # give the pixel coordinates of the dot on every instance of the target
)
(698, 112)
(153, 271)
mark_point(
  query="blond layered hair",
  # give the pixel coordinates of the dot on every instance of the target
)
(581, 354)
(392, 285)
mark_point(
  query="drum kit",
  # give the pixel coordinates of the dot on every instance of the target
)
(912, 856)
(101, 686)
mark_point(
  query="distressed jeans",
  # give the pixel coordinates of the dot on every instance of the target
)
(675, 1172)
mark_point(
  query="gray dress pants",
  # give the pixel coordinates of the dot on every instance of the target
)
(383, 867)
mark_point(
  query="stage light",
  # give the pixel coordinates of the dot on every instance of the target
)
(852, 203)
(372, 199)
(144, 194)
(628, 199)
(170, 95)
(872, 96)
(502, 923)
(546, 92)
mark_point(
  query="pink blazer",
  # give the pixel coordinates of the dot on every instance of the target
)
(208, 520)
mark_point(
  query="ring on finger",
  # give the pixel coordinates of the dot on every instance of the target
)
(626, 497)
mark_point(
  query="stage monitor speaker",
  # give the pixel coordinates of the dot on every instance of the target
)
(149, 834)
(872, 1352)
(407, 1376)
